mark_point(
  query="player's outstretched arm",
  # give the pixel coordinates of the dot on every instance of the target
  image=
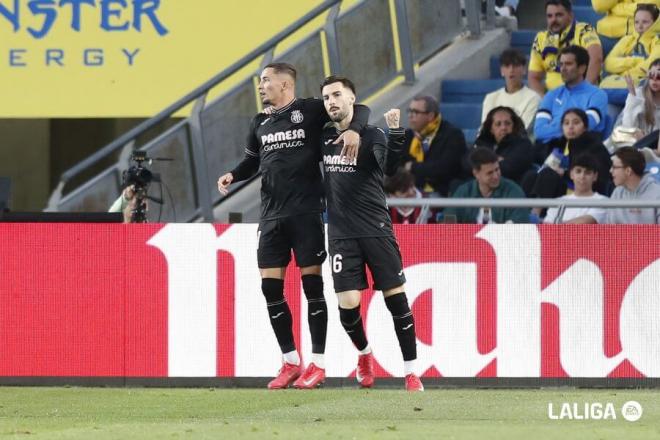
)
(248, 167)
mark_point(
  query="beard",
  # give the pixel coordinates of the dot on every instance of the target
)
(339, 116)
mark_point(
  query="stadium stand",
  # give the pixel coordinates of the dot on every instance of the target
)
(460, 100)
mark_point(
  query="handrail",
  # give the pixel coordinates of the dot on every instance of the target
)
(522, 203)
(198, 92)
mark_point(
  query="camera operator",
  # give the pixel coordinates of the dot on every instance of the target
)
(133, 200)
(126, 204)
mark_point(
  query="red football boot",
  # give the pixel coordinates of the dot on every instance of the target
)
(313, 377)
(413, 384)
(365, 370)
(288, 373)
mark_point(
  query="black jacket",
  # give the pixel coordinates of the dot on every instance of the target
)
(442, 163)
(589, 143)
(516, 153)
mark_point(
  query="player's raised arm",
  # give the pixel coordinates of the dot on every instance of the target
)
(389, 154)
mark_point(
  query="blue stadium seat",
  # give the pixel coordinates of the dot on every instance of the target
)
(607, 43)
(462, 115)
(582, 3)
(470, 135)
(653, 169)
(587, 14)
(495, 67)
(523, 40)
(468, 90)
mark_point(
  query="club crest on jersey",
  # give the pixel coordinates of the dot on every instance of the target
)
(296, 117)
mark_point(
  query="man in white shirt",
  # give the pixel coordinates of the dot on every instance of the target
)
(515, 93)
(583, 173)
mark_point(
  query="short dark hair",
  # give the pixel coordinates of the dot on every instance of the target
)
(399, 182)
(512, 57)
(340, 79)
(580, 53)
(586, 161)
(579, 113)
(650, 8)
(633, 158)
(430, 103)
(482, 156)
(565, 3)
(283, 68)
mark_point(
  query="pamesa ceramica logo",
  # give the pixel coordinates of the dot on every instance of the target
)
(38, 19)
(631, 411)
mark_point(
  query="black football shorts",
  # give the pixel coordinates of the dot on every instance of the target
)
(349, 256)
(304, 234)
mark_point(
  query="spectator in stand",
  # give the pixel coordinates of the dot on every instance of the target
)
(433, 149)
(506, 8)
(640, 119)
(488, 183)
(633, 54)
(575, 93)
(402, 185)
(552, 180)
(632, 184)
(504, 132)
(619, 19)
(584, 174)
(563, 31)
(515, 93)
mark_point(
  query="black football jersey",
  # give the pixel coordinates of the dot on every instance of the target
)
(354, 189)
(285, 148)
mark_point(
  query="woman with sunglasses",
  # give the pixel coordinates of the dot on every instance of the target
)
(642, 112)
(631, 55)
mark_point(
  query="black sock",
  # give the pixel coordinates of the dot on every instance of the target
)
(404, 324)
(317, 311)
(279, 313)
(352, 323)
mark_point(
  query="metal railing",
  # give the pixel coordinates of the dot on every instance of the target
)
(344, 35)
(562, 204)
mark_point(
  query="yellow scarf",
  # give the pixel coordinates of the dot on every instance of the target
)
(416, 149)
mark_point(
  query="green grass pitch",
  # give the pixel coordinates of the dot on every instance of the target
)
(174, 413)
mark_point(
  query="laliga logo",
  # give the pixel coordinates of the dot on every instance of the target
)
(192, 250)
(631, 411)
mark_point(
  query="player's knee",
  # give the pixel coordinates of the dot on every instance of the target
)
(349, 300)
(311, 270)
(313, 286)
(273, 272)
(273, 289)
(394, 291)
